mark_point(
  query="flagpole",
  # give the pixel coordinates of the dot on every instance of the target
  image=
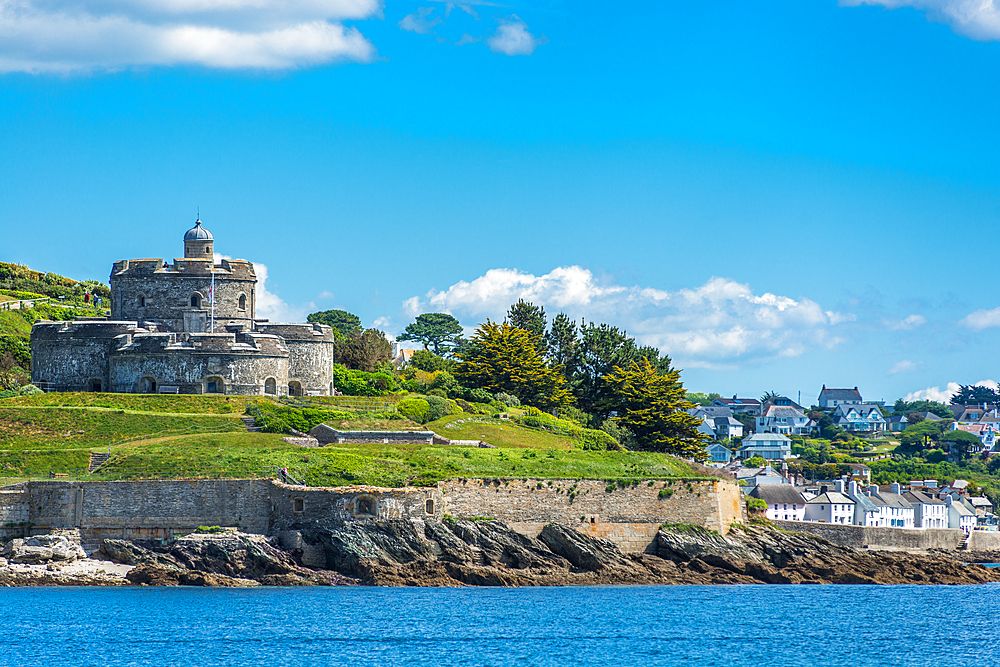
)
(212, 294)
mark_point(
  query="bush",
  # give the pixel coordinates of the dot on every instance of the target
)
(440, 393)
(8, 393)
(360, 383)
(439, 407)
(508, 400)
(599, 441)
(414, 409)
(29, 390)
(273, 424)
(475, 395)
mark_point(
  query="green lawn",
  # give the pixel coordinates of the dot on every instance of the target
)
(57, 432)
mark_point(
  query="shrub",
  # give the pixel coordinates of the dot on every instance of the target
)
(440, 393)
(476, 395)
(414, 409)
(29, 390)
(599, 441)
(439, 407)
(360, 383)
(8, 393)
(665, 493)
(508, 400)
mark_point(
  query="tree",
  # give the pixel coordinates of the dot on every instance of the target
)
(653, 408)
(602, 348)
(343, 322)
(363, 351)
(974, 395)
(526, 315)
(755, 462)
(961, 442)
(438, 331)
(901, 407)
(425, 360)
(920, 436)
(502, 358)
(768, 395)
(562, 341)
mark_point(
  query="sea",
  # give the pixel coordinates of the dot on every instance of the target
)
(894, 626)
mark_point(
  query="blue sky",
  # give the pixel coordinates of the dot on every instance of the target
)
(778, 194)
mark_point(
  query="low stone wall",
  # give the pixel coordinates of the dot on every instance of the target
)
(326, 435)
(15, 507)
(981, 540)
(889, 539)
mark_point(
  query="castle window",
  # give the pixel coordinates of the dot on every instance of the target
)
(208, 249)
(298, 504)
(142, 302)
(270, 386)
(429, 506)
(243, 302)
(195, 301)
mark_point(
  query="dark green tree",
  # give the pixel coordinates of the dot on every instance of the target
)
(562, 341)
(343, 322)
(901, 407)
(439, 332)
(362, 351)
(653, 408)
(973, 395)
(425, 360)
(526, 315)
(601, 349)
(960, 442)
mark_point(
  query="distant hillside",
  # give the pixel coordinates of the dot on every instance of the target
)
(19, 282)
(19, 278)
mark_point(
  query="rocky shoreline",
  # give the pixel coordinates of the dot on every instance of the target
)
(474, 553)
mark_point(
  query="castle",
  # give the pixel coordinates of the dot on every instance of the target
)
(189, 327)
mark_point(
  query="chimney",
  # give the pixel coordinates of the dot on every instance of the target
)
(852, 488)
(823, 489)
(948, 500)
(838, 485)
(873, 489)
(896, 488)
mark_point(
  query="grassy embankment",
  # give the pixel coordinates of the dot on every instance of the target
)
(58, 431)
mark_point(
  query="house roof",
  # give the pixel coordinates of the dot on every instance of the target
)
(864, 409)
(961, 509)
(840, 394)
(728, 421)
(917, 498)
(864, 501)
(832, 497)
(929, 416)
(757, 438)
(711, 411)
(777, 493)
(858, 466)
(716, 447)
(785, 411)
(738, 401)
(894, 500)
(980, 502)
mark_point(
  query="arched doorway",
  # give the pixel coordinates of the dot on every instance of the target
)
(270, 386)
(147, 385)
(215, 385)
(294, 388)
(94, 384)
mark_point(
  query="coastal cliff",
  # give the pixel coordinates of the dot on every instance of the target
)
(482, 553)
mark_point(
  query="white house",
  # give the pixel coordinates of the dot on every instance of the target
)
(783, 501)
(771, 446)
(928, 512)
(831, 398)
(785, 419)
(959, 516)
(830, 507)
(866, 513)
(895, 510)
(860, 418)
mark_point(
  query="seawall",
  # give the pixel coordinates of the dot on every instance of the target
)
(888, 539)
(627, 515)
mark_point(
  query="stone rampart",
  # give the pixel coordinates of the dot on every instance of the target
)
(887, 539)
(319, 507)
(982, 540)
(15, 506)
(629, 516)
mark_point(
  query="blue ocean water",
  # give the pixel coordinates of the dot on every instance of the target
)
(559, 627)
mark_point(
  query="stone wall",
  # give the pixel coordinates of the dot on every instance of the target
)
(326, 435)
(981, 540)
(66, 356)
(628, 516)
(15, 506)
(310, 355)
(305, 507)
(889, 539)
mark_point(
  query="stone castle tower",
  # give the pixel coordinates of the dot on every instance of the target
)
(185, 327)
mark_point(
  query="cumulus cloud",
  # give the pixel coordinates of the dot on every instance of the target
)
(978, 19)
(905, 366)
(713, 326)
(906, 324)
(981, 319)
(512, 38)
(944, 395)
(73, 35)
(270, 306)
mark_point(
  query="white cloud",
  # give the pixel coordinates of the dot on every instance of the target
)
(326, 294)
(81, 35)
(270, 306)
(713, 326)
(944, 395)
(981, 319)
(419, 22)
(905, 366)
(513, 39)
(978, 19)
(906, 324)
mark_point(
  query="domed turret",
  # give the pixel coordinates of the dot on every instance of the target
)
(198, 242)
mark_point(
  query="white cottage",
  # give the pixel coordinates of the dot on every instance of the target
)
(783, 501)
(830, 507)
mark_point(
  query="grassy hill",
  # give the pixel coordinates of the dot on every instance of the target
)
(152, 436)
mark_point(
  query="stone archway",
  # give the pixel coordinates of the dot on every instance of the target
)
(94, 384)
(215, 385)
(294, 388)
(270, 386)
(147, 385)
